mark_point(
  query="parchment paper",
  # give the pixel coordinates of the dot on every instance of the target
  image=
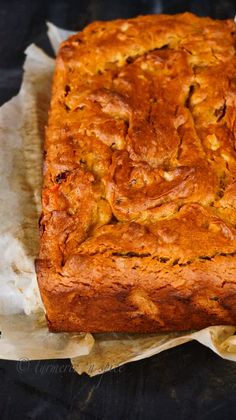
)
(24, 333)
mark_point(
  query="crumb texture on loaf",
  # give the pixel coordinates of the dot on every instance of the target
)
(138, 229)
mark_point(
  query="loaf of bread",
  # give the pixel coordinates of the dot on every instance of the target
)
(138, 227)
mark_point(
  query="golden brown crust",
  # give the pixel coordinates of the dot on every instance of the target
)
(138, 230)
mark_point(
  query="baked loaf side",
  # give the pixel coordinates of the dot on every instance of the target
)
(138, 228)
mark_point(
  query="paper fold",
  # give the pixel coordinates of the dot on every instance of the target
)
(22, 321)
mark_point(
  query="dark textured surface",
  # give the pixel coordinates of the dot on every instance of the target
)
(188, 382)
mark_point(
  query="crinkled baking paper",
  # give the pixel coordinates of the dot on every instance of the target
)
(24, 333)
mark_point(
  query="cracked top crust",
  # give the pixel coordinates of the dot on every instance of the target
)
(140, 147)
(140, 150)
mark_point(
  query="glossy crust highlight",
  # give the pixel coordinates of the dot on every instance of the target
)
(138, 227)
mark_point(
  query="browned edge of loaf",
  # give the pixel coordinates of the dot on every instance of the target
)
(139, 198)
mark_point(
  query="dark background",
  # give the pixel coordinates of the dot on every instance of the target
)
(188, 382)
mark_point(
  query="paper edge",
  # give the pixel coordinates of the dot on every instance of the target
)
(37, 53)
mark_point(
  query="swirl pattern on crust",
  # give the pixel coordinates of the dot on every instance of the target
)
(140, 164)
